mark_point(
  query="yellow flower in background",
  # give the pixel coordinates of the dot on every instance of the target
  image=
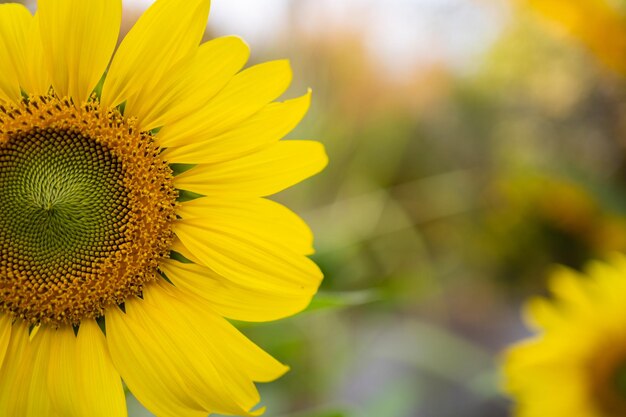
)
(111, 266)
(576, 365)
(600, 25)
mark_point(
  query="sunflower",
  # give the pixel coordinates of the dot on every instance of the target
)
(134, 217)
(577, 365)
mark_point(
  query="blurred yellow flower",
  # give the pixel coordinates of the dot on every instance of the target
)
(598, 24)
(134, 219)
(576, 366)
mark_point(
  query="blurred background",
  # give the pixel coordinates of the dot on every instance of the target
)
(473, 145)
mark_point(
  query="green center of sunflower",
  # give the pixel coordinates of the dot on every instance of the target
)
(87, 207)
(619, 381)
(63, 201)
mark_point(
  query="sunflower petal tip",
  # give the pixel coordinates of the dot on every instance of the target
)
(286, 368)
(236, 42)
(285, 65)
(323, 156)
(259, 411)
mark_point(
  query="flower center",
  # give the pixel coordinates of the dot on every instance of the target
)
(607, 380)
(87, 207)
(619, 381)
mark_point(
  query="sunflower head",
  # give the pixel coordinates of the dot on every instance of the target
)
(580, 352)
(135, 219)
(89, 206)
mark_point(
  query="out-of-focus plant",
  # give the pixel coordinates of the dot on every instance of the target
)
(552, 175)
(536, 220)
(599, 24)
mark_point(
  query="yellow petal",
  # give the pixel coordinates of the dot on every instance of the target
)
(247, 259)
(233, 300)
(15, 373)
(191, 84)
(157, 385)
(177, 246)
(246, 93)
(570, 288)
(39, 398)
(260, 174)
(173, 351)
(22, 387)
(167, 32)
(34, 78)
(229, 346)
(98, 383)
(267, 126)
(266, 219)
(81, 378)
(542, 314)
(15, 22)
(78, 39)
(5, 335)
